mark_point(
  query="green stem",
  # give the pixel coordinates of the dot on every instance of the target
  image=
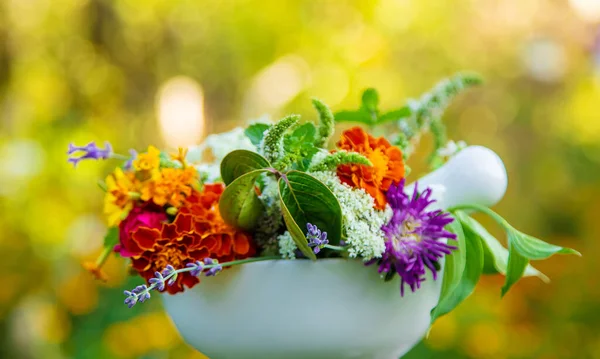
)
(335, 248)
(103, 256)
(483, 209)
(118, 156)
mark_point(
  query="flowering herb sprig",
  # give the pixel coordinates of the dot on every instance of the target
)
(210, 267)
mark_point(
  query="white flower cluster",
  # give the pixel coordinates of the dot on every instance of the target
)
(207, 156)
(362, 221)
(287, 246)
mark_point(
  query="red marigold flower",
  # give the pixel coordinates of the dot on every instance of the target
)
(387, 169)
(149, 216)
(197, 232)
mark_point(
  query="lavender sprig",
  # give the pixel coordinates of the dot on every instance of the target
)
(91, 151)
(210, 267)
(316, 238)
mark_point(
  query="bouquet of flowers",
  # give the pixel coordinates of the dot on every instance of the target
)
(286, 191)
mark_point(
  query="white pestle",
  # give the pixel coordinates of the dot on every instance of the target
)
(475, 175)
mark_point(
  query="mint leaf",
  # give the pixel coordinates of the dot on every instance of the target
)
(256, 132)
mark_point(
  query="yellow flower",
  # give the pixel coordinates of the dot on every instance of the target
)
(148, 161)
(170, 185)
(118, 200)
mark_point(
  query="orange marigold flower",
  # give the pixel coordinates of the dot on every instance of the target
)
(388, 164)
(170, 185)
(197, 232)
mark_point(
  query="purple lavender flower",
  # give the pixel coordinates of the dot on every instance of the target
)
(169, 269)
(129, 163)
(91, 152)
(214, 270)
(158, 281)
(413, 237)
(316, 238)
(197, 266)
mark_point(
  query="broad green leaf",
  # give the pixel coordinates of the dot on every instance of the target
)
(111, 238)
(470, 277)
(516, 265)
(395, 115)
(370, 100)
(536, 249)
(239, 204)
(495, 255)
(454, 267)
(256, 132)
(309, 201)
(239, 162)
(521, 249)
(353, 116)
(298, 235)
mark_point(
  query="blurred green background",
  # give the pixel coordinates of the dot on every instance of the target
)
(169, 72)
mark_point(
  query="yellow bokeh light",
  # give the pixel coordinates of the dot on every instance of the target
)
(180, 107)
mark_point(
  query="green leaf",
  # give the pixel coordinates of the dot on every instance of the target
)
(304, 134)
(111, 238)
(307, 200)
(495, 255)
(395, 115)
(298, 235)
(536, 249)
(256, 132)
(516, 265)
(239, 204)
(353, 116)
(326, 123)
(239, 162)
(454, 267)
(469, 279)
(521, 249)
(370, 100)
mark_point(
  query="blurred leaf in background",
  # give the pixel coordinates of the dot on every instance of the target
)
(95, 70)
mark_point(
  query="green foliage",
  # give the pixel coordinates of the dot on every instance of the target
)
(167, 162)
(239, 162)
(326, 123)
(521, 247)
(299, 148)
(304, 199)
(333, 160)
(495, 255)
(112, 237)
(469, 258)
(369, 113)
(426, 113)
(239, 204)
(272, 144)
(256, 132)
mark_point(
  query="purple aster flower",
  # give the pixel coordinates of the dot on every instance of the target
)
(91, 151)
(316, 238)
(413, 237)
